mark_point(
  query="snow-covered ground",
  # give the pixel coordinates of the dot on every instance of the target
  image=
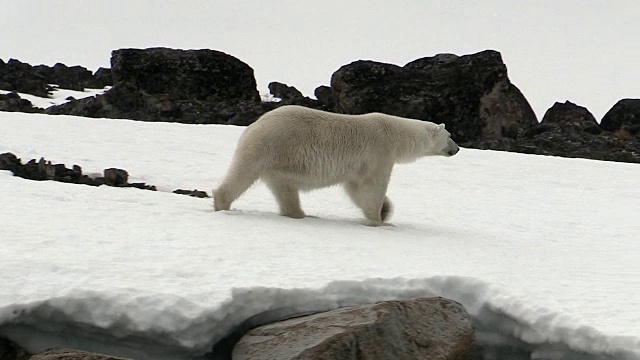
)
(542, 251)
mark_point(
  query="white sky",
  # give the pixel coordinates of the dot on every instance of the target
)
(583, 51)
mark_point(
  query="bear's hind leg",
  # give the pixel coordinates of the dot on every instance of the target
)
(288, 198)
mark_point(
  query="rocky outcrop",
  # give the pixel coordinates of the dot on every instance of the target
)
(44, 170)
(471, 94)
(623, 119)
(67, 77)
(569, 130)
(429, 328)
(12, 102)
(190, 86)
(21, 77)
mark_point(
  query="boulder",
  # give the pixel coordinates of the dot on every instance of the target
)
(12, 102)
(427, 328)
(284, 91)
(71, 354)
(325, 96)
(20, 77)
(471, 94)
(190, 86)
(570, 115)
(11, 351)
(185, 74)
(115, 177)
(569, 130)
(623, 119)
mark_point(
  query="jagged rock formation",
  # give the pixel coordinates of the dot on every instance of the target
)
(35, 80)
(471, 94)
(190, 86)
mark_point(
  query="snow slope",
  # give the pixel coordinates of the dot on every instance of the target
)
(542, 251)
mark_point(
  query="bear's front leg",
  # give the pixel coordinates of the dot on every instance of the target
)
(370, 196)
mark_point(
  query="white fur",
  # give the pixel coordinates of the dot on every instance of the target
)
(294, 148)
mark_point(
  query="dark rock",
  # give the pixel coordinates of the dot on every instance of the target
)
(325, 96)
(115, 177)
(20, 77)
(12, 102)
(185, 74)
(569, 130)
(9, 161)
(623, 119)
(430, 328)
(11, 351)
(142, 186)
(284, 91)
(189, 86)
(471, 94)
(73, 78)
(35, 80)
(193, 193)
(570, 115)
(101, 78)
(72, 354)
(45, 170)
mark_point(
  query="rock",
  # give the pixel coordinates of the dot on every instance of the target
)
(428, 328)
(569, 130)
(193, 193)
(101, 78)
(73, 78)
(12, 102)
(115, 177)
(471, 94)
(20, 77)
(324, 94)
(159, 84)
(623, 119)
(45, 170)
(11, 351)
(35, 80)
(9, 161)
(568, 114)
(284, 91)
(185, 74)
(71, 354)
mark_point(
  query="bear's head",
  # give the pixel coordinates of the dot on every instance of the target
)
(441, 143)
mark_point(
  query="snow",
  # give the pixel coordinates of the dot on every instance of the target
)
(540, 250)
(58, 96)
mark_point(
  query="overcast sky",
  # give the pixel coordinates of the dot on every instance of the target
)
(584, 51)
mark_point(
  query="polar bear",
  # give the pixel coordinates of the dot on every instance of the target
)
(293, 148)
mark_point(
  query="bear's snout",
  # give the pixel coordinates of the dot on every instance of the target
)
(453, 148)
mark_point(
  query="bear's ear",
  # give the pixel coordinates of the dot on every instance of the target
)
(438, 128)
